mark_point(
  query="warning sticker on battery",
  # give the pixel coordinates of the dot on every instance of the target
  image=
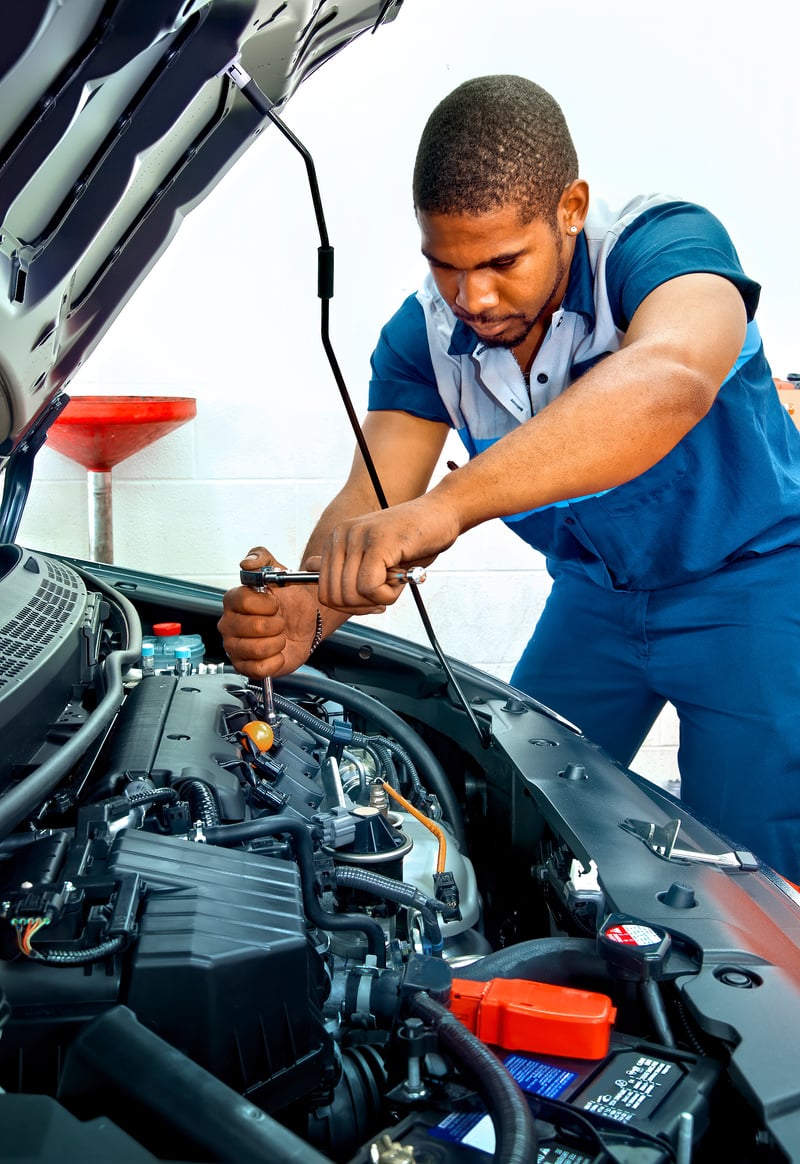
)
(630, 934)
(630, 1087)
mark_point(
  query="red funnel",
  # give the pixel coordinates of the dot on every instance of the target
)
(100, 431)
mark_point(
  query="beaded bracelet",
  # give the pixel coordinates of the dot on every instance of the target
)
(319, 633)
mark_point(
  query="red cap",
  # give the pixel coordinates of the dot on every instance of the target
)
(161, 629)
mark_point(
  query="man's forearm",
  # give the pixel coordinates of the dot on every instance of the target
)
(347, 503)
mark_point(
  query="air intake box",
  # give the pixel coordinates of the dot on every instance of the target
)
(223, 968)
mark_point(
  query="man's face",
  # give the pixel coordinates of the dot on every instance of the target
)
(499, 275)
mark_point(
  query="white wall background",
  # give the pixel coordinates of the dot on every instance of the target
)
(696, 98)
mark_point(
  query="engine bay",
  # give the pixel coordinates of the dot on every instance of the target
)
(343, 923)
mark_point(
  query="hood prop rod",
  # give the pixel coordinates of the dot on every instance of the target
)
(259, 100)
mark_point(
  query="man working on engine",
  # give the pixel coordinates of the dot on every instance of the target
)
(607, 379)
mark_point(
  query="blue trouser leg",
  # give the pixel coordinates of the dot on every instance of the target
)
(726, 652)
(587, 660)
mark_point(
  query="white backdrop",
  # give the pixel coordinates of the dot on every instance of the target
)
(698, 99)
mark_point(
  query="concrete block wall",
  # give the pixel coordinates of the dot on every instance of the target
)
(229, 314)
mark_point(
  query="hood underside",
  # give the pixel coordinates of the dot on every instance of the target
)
(117, 117)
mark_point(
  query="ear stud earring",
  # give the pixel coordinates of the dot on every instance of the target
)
(573, 230)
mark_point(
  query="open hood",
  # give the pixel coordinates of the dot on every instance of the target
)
(117, 117)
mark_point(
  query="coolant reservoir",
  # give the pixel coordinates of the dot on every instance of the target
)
(420, 864)
(166, 638)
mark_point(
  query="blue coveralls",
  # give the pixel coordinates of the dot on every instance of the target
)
(676, 586)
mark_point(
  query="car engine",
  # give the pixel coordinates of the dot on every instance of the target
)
(242, 924)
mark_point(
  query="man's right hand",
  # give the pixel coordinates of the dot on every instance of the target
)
(268, 632)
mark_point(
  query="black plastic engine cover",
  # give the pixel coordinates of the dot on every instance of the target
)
(223, 968)
(173, 730)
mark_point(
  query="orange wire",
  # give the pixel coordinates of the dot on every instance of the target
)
(429, 824)
(32, 927)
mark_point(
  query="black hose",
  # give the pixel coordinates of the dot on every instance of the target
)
(384, 761)
(234, 834)
(396, 750)
(433, 774)
(401, 892)
(17, 841)
(553, 960)
(515, 1133)
(202, 802)
(116, 1053)
(657, 1011)
(78, 957)
(26, 796)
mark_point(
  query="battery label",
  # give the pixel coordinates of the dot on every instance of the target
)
(544, 1079)
(630, 934)
(631, 1087)
(474, 1129)
(465, 1127)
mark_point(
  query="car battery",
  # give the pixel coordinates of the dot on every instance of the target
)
(639, 1089)
(422, 1134)
(638, 1084)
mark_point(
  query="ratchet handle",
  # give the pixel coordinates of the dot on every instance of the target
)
(269, 576)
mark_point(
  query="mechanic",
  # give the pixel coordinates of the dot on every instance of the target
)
(606, 376)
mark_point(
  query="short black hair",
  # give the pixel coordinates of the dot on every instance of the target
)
(494, 141)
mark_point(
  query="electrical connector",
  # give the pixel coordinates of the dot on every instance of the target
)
(446, 892)
(38, 902)
(338, 827)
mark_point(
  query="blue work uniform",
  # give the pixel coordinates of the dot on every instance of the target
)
(677, 585)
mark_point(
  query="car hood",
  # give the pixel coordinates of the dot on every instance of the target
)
(117, 117)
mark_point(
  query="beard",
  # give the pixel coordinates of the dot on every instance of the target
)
(513, 338)
(525, 323)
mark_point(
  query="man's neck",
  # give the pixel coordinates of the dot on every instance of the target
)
(525, 353)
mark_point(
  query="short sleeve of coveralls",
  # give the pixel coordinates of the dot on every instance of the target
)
(665, 242)
(402, 370)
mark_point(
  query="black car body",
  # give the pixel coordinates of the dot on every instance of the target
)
(406, 914)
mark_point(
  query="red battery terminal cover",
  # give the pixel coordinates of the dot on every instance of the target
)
(519, 1015)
